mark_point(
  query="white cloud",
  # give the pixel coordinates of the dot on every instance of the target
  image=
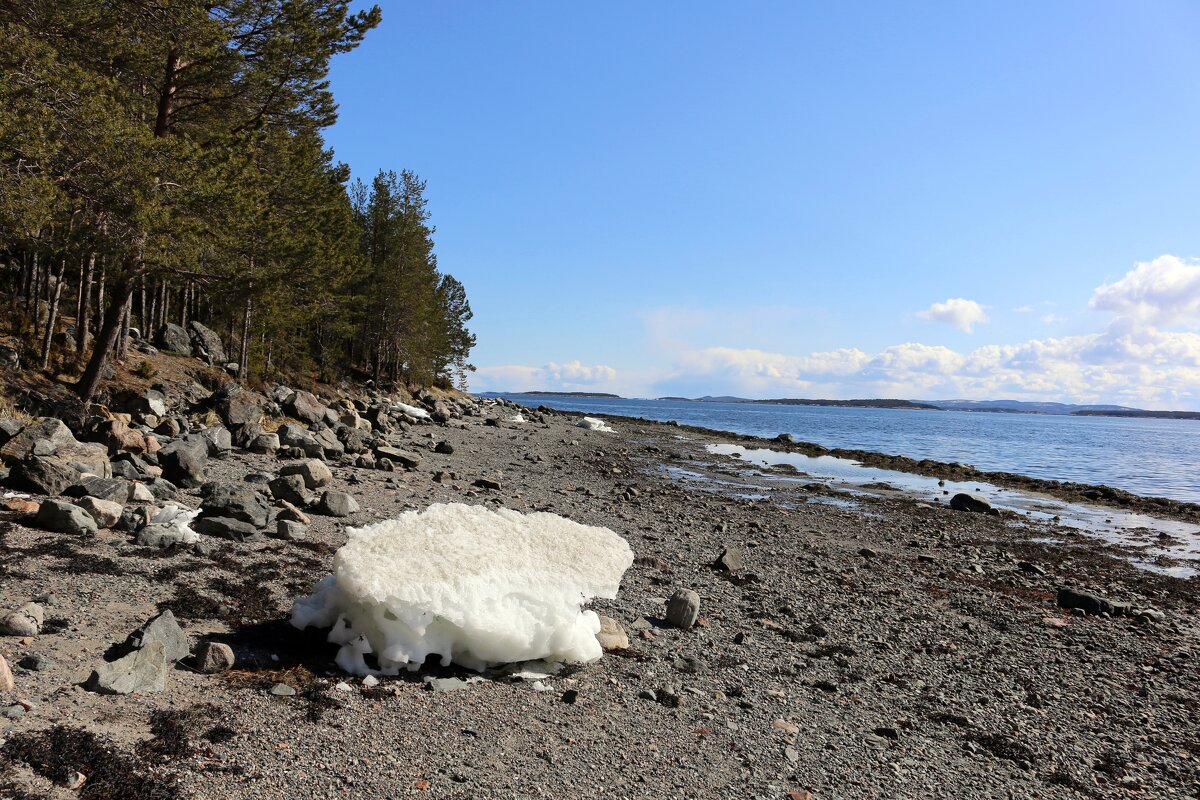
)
(962, 314)
(572, 376)
(1023, 310)
(1164, 291)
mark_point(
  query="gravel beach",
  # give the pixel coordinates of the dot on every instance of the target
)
(846, 646)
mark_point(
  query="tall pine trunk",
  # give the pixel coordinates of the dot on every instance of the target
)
(119, 297)
(52, 316)
(244, 358)
(85, 306)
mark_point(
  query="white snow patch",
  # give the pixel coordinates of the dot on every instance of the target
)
(412, 411)
(179, 518)
(593, 424)
(475, 586)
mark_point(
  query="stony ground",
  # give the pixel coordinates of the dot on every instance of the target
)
(871, 648)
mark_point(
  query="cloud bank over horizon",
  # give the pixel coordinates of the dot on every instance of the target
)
(1145, 354)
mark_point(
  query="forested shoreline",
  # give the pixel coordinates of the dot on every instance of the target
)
(164, 163)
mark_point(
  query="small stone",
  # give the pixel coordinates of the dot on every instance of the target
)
(973, 503)
(867, 553)
(24, 621)
(791, 754)
(12, 712)
(785, 726)
(683, 609)
(612, 636)
(487, 483)
(314, 473)
(213, 657)
(570, 696)
(290, 529)
(445, 448)
(282, 690)
(34, 662)
(731, 560)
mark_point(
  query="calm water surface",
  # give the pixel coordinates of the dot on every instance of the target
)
(1158, 457)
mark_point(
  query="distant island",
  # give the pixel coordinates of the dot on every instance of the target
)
(975, 406)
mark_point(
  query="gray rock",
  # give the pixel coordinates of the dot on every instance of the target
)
(305, 407)
(114, 490)
(164, 629)
(141, 672)
(731, 560)
(683, 609)
(289, 488)
(212, 657)
(63, 517)
(159, 488)
(238, 406)
(35, 662)
(314, 473)
(105, 512)
(157, 535)
(330, 446)
(39, 475)
(227, 528)
(236, 501)
(293, 435)
(51, 433)
(206, 344)
(219, 439)
(173, 339)
(282, 690)
(969, 502)
(24, 621)
(405, 458)
(445, 448)
(290, 529)
(336, 504)
(1089, 602)
(183, 461)
(264, 443)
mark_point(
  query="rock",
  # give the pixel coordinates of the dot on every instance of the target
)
(118, 436)
(487, 483)
(236, 501)
(160, 488)
(48, 434)
(293, 435)
(213, 657)
(785, 438)
(34, 662)
(105, 512)
(24, 621)
(445, 448)
(227, 528)
(264, 443)
(336, 504)
(206, 344)
(612, 636)
(314, 473)
(282, 690)
(63, 517)
(289, 512)
(683, 609)
(305, 407)
(219, 439)
(969, 502)
(183, 461)
(151, 401)
(140, 493)
(174, 339)
(730, 560)
(288, 488)
(405, 458)
(114, 490)
(20, 505)
(158, 535)
(140, 672)
(1091, 603)
(163, 629)
(290, 529)
(6, 678)
(238, 406)
(39, 475)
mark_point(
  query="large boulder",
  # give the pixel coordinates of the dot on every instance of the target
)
(63, 517)
(305, 407)
(314, 473)
(236, 501)
(106, 512)
(40, 475)
(238, 406)
(118, 436)
(44, 437)
(206, 344)
(142, 671)
(183, 461)
(173, 339)
(115, 490)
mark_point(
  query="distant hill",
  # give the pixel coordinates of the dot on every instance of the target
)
(869, 403)
(1025, 407)
(1139, 412)
(573, 394)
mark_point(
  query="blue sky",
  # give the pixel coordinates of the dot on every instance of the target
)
(800, 199)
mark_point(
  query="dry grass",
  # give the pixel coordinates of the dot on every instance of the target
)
(272, 424)
(9, 410)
